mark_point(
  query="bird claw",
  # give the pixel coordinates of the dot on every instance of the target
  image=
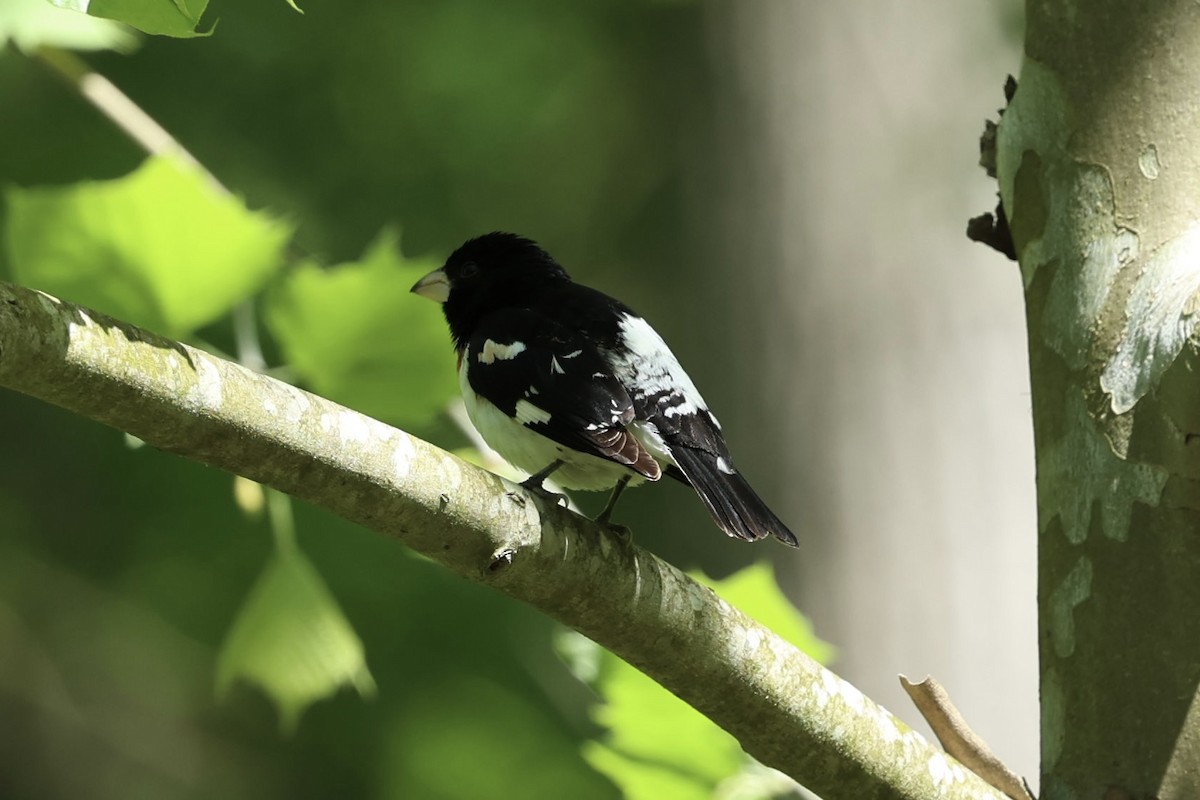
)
(537, 490)
(622, 532)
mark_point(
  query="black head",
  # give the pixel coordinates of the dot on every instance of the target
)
(488, 273)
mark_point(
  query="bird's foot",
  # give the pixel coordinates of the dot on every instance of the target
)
(534, 486)
(622, 532)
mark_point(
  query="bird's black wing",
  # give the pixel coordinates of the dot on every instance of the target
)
(552, 380)
(664, 396)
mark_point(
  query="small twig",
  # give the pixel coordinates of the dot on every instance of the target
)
(245, 335)
(959, 740)
(283, 523)
(120, 109)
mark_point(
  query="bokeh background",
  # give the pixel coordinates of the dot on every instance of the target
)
(781, 187)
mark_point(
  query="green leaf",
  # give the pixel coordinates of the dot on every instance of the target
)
(30, 24)
(177, 18)
(657, 745)
(355, 334)
(161, 247)
(291, 639)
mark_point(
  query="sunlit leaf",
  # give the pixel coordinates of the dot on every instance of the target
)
(291, 639)
(177, 18)
(159, 247)
(30, 24)
(354, 333)
(657, 745)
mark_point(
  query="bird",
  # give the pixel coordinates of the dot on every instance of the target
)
(562, 380)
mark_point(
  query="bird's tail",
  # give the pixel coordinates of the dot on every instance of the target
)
(734, 506)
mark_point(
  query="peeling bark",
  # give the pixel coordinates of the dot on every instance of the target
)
(1099, 169)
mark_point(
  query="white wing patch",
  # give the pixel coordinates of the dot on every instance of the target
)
(529, 414)
(655, 370)
(504, 352)
(556, 367)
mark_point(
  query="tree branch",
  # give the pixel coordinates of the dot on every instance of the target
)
(784, 708)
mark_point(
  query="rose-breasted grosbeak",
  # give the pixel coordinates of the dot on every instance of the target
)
(561, 379)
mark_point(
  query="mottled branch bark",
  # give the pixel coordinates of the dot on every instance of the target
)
(785, 709)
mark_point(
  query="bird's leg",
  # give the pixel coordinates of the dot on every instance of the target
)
(603, 516)
(533, 483)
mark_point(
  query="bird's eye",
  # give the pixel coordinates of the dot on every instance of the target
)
(469, 270)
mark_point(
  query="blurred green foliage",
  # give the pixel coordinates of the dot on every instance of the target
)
(132, 582)
(658, 746)
(352, 332)
(160, 248)
(290, 637)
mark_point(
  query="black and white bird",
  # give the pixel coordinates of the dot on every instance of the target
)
(563, 380)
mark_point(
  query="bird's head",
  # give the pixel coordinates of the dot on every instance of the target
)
(486, 274)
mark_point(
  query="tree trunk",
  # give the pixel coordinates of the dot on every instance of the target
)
(1099, 164)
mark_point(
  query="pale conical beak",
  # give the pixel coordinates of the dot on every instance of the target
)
(435, 286)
